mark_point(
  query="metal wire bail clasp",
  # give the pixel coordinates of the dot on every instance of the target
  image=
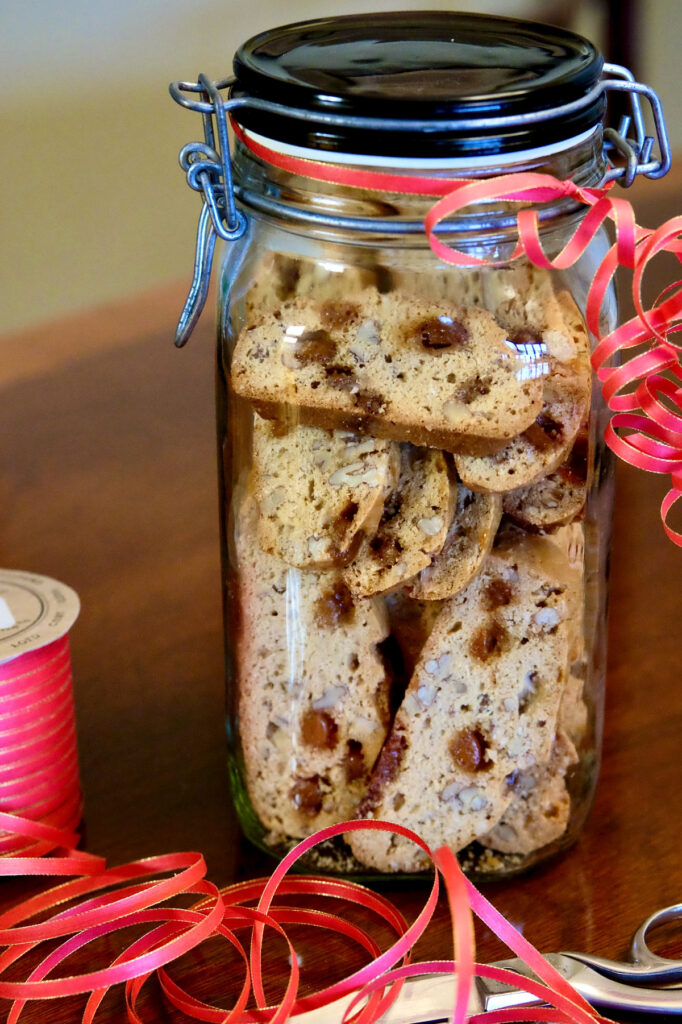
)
(208, 169)
(638, 149)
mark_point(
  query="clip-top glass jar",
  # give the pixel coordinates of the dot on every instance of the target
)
(415, 495)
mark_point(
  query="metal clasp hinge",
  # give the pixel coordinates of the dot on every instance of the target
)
(208, 169)
(636, 151)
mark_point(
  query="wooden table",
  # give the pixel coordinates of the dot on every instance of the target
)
(108, 482)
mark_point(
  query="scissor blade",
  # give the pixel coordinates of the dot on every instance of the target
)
(497, 996)
(428, 999)
(597, 989)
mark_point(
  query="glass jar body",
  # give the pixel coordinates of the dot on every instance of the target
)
(415, 504)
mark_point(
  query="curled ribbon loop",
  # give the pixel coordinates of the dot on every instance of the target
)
(634, 248)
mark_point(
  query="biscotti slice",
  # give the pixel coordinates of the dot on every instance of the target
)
(444, 283)
(571, 540)
(319, 492)
(434, 374)
(413, 525)
(275, 279)
(530, 456)
(468, 541)
(520, 296)
(523, 300)
(313, 700)
(556, 499)
(541, 448)
(482, 704)
(539, 812)
(281, 276)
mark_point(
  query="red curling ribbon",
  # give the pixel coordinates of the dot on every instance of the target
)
(634, 248)
(399, 950)
(142, 899)
(169, 948)
(463, 939)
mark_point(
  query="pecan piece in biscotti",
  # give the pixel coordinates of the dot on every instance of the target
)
(468, 721)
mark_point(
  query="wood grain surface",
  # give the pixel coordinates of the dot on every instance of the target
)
(108, 482)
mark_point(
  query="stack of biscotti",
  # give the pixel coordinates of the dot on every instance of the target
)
(313, 687)
(482, 705)
(411, 445)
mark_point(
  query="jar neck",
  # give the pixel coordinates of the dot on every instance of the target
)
(298, 194)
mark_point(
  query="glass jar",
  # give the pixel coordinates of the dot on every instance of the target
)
(415, 494)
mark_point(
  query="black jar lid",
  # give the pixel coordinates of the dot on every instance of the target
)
(423, 66)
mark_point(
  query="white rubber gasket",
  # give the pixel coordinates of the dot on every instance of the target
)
(423, 164)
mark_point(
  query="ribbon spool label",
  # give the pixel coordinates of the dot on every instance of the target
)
(34, 611)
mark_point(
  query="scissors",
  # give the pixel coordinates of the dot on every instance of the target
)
(645, 985)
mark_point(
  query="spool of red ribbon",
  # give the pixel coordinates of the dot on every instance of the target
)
(40, 796)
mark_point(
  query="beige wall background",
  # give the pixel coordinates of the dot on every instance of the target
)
(93, 204)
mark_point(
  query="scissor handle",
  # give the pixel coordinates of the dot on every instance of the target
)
(646, 967)
(639, 950)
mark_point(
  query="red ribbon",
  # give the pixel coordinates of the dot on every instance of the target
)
(646, 428)
(143, 900)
